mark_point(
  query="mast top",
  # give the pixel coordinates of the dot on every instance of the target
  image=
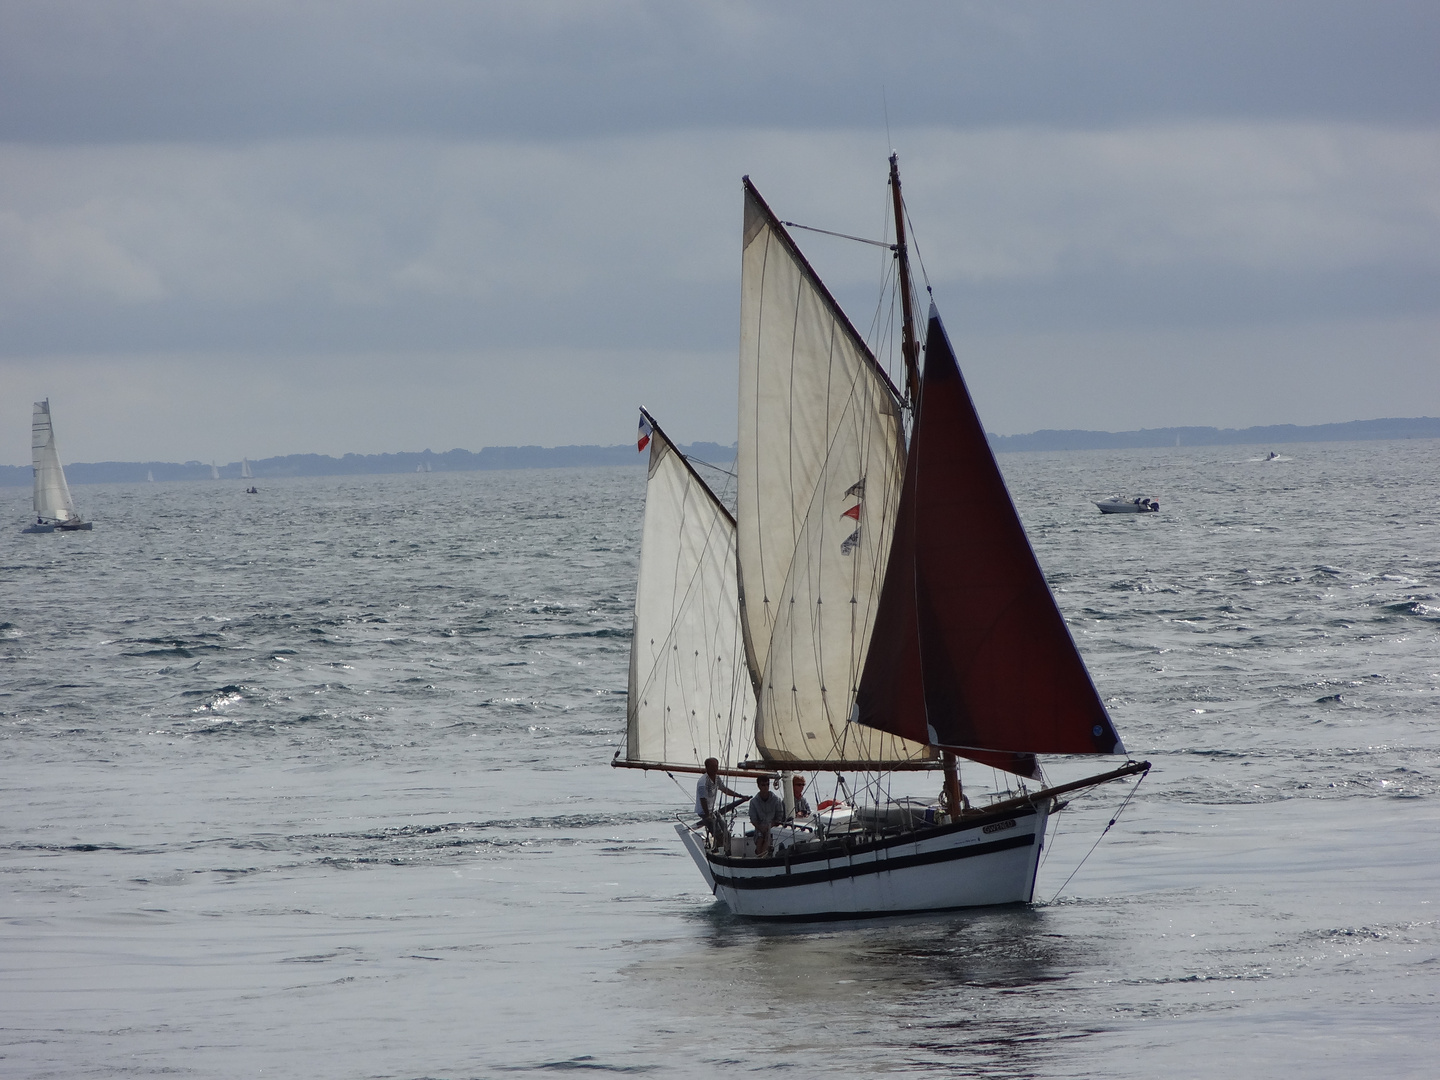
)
(909, 347)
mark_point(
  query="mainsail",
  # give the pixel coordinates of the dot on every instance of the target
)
(971, 653)
(820, 462)
(52, 494)
(690, 696)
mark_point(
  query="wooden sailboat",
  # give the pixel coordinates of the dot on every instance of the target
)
(872, 607)
(54, 508)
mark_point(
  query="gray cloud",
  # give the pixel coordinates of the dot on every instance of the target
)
(78, 71)
(368, 207)
(632, 241)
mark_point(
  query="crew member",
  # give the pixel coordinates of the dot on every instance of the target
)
(707, 793)
(766, 811)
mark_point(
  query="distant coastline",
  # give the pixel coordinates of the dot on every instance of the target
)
(563, 457)
(1421, 427)
(492, 457)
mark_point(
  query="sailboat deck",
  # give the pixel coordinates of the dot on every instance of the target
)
(858, 839)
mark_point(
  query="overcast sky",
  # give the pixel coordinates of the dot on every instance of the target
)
(251, 228)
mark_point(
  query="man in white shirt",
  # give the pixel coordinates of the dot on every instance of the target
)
(707, 794)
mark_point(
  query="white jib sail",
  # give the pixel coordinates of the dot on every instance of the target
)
(52, 494)
(821, 461)
(245, 473)
(690, 694)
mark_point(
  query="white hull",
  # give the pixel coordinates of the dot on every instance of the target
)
(977, 862)
(1113, 507)
(69, 526)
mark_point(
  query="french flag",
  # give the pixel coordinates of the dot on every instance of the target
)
(646, 429)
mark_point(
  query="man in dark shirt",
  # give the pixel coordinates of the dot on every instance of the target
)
(766, 811)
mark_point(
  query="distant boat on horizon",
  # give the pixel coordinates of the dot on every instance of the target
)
(54, 509)
(150, 475)
(245, 473)
(214, 472)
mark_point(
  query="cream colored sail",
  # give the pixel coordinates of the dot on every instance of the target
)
(690, 695)
(52, 494)
(820, 435)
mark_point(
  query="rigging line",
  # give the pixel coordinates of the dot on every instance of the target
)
(710, 465)
(915, 240)
(1050, 846)
(841, 235)
(1107, 828)
(885, 106)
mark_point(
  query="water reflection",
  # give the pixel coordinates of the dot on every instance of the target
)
(981, 990)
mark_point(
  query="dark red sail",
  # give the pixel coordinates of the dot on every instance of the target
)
(970, 652)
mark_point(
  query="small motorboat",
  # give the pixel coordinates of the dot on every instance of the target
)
(1117, 504)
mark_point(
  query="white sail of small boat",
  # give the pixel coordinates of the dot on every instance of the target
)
(245, 473)
(214, 471)
(150, 475)
(873, 607)
(54, 509)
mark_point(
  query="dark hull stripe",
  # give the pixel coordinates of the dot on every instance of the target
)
(869, 866)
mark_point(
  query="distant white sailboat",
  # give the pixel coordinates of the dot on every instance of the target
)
(214, 472)
(245, 473)
(54, 509)
(150, 475)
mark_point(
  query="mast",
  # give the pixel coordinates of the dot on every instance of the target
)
(909, 349)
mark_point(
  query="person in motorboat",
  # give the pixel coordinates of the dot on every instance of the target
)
(802, 807)
(766, 811)
(707, 793)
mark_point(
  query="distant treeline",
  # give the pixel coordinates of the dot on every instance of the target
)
(492, 457)
(1423, 427)
(560, 457)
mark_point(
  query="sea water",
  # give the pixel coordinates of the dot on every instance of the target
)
(315, 783)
